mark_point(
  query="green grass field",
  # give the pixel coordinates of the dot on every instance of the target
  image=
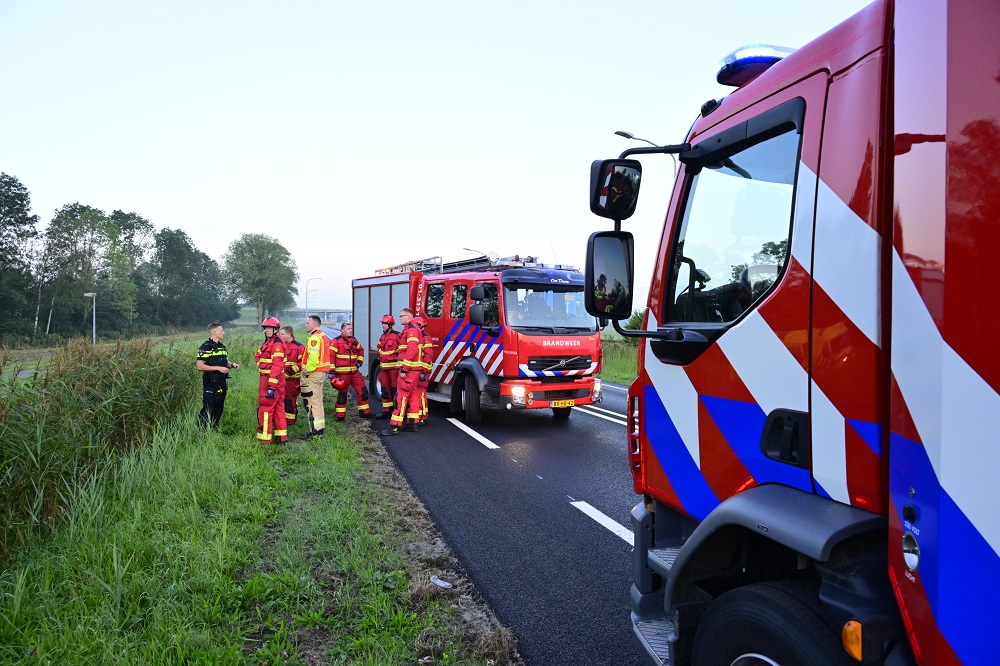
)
(151, 542)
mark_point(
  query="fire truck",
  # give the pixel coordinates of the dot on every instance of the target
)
(508, 334)
(812, 428)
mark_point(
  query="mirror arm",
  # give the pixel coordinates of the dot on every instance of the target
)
(624, 332)
(674, 149)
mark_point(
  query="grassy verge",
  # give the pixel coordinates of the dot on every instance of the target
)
(620, 358)
(203, 548)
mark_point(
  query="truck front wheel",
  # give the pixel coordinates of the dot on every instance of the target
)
(773, 624)
(471, 400)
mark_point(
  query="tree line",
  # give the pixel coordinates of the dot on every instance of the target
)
(145, 280)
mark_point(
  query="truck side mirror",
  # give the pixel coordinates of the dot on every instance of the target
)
(477, 293)
(608, 276)
(476, 317)
(614, 188)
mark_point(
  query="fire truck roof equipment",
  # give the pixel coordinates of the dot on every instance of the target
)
(748, 62)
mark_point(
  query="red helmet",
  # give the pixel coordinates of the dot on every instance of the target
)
(387, 319)
(270, 321)
(418, 321)
(339, 383)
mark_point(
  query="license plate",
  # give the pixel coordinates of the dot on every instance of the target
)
(563, 403)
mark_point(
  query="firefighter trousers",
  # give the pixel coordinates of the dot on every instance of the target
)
(312, 395)
(292, 390)
(387, 380)
(407, 400)
(271, 413)
(356, 381)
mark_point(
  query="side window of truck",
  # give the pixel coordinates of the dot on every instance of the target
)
(435, 300)
(491, 304)
(459, 293)
(734, 238)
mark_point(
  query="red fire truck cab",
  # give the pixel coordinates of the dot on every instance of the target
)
(508, 334)
(813, 425)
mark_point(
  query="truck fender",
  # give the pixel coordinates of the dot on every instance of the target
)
(472, 365)
(805, 523)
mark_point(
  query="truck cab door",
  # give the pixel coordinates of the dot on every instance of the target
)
(726, 387)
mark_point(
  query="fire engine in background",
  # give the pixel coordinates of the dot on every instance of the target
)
(813, 425)
(508, 333)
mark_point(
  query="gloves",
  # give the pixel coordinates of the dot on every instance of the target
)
(270, 393)
(360, 363)
(423, 376)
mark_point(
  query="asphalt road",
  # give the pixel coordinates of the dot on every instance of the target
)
(524, 521)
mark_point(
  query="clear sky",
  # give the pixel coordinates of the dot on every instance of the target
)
(365, 134)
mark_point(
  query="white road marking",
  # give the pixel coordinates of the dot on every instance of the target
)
(606, 411)
(612, 386)
(472, 433)
(619, 421)
(623, 533)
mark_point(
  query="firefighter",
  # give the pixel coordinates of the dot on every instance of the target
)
(271, 396)
(213, 362)
(388, 349)
(293, 374)
(348, 357)
(407, 393)
(315, 366)
(426, 357)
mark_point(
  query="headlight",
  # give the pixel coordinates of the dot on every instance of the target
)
(517, 391)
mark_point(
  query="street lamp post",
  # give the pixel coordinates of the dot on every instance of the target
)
(629, 135)
(93, 295)
(307, 293)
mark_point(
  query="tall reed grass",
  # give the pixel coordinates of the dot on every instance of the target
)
(61, 422)
(620, 361)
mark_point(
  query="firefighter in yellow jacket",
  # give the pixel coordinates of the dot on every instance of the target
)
(315, 366)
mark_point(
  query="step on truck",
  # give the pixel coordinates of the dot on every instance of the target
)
(508, 334)
(813, 428)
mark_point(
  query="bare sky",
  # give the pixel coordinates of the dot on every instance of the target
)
(365, 134)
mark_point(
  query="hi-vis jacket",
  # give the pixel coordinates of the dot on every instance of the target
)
(348, 354)
(294, 351)
(409, 350)
(388, 349)
(316, 355)
(271, 362)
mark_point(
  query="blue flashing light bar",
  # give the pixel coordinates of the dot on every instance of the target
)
(748, 62)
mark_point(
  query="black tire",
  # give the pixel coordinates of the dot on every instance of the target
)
(561, 413)
(374, 390)
(471, 400)
(768, 623)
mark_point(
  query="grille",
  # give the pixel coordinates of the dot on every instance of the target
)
(541, 363)
(560, 395)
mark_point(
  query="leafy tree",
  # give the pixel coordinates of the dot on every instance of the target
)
(17, 229)
(260, 270)
(185, 283)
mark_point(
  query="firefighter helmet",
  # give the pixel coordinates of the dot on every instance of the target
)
(339, 383)
(270, 322)
(418, 321)
(387, 319)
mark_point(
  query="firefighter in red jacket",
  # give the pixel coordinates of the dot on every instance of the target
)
(271, 396)
(293, 373)
(410, 367)
(388, 350)
(348, 357)
(426, 357)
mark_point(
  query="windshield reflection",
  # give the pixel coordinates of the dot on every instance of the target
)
(540, 310)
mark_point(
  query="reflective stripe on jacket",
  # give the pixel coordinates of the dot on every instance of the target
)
(348, 354)
(294, 351)
(271, 361)
(409, 349)
(388, 349)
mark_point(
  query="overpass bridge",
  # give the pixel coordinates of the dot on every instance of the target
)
(325, 314)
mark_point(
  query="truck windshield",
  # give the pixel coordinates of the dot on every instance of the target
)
(542, 310)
